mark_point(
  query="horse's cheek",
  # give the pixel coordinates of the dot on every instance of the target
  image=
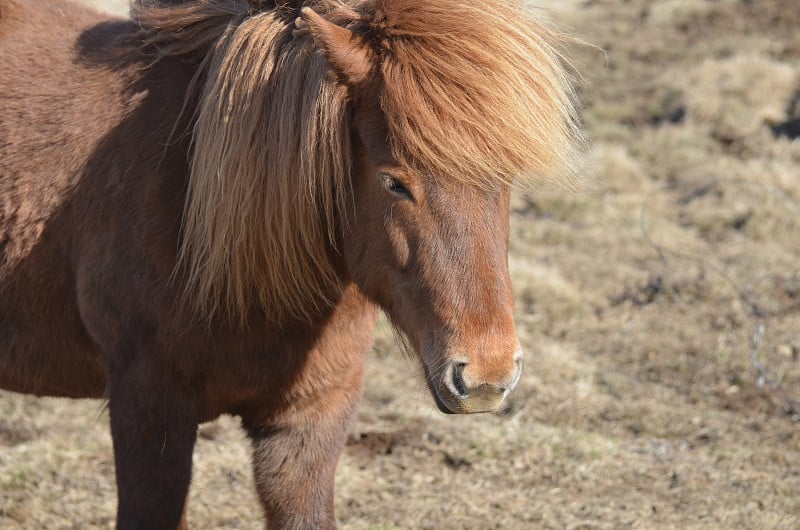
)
(400, 246)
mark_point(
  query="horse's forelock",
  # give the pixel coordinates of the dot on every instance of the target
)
(476, 91)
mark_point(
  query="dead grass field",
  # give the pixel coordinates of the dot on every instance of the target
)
(637, 301)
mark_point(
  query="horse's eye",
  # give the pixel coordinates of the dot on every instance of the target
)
(395, 187)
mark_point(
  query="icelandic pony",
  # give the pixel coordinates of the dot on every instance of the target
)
(202, 209)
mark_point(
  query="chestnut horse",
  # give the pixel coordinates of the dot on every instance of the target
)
(202, 209)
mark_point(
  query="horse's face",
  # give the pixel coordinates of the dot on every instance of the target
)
(434, 256)
(430, 252)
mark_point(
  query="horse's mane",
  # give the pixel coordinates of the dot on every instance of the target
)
(473, 90)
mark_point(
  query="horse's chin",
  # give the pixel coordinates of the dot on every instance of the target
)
(440, 404)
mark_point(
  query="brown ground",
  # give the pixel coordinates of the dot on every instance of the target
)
(638, 302)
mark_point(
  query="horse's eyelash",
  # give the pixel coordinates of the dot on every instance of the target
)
(394, 185)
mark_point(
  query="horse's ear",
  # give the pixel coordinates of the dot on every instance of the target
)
(346, 52)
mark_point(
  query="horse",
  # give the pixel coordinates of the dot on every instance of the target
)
(204, 207)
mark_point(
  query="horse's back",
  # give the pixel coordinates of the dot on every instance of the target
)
(54, 109)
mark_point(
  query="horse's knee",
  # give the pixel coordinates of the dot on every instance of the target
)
(294, 464)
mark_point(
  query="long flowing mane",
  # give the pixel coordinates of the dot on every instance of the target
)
(472, 90)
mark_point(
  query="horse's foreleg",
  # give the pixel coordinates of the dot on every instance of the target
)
(184, 524)
(294, 460)
(154, 432)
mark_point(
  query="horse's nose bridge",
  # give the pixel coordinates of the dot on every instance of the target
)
(496, 369)
(492, 357)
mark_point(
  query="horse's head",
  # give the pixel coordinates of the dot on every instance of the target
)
(428, 237)
(434, 256)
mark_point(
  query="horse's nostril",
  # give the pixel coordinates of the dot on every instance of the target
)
(462, 386)
(457, 379)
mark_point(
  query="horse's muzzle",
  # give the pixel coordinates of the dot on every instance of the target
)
(463, 391)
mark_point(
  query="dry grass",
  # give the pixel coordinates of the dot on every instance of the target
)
(639, 407)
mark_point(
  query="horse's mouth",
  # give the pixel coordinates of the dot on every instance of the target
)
(440, 404)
